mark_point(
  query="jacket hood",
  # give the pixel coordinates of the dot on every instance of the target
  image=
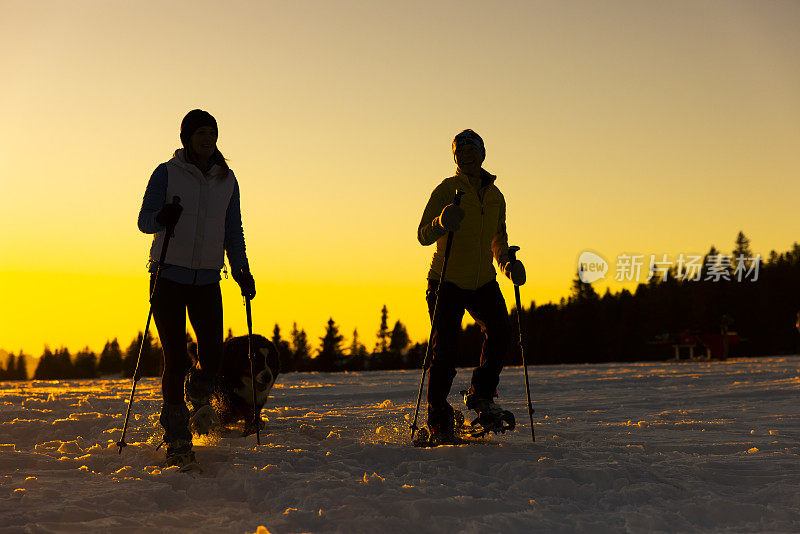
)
(179, 159)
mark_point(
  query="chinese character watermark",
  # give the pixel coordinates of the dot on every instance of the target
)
(684, 268)
(629, 268)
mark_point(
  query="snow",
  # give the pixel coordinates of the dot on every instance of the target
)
(645, 447)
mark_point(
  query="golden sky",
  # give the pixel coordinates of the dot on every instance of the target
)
(617, 126)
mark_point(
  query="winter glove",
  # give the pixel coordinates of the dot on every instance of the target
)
(246, 283)
(169, 215)
(451, 217)
(515, 271)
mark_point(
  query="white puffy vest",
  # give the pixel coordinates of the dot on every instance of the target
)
(199, 239)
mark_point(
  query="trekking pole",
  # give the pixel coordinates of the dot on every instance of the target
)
(414, 427)
(512, 254)
(168, 233)
(256, 418)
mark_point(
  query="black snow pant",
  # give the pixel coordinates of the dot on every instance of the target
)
(170, 303)
(488, 307)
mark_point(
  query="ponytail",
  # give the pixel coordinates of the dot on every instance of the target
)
(220, 160)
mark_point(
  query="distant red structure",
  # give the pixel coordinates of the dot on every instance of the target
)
(715, 346)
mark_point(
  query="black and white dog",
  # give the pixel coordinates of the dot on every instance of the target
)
(232, 398)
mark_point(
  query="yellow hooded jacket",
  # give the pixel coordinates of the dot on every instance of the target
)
(482, 235)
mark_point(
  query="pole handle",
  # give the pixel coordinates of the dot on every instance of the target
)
(457, 199)
(249, 313)
(512, 253)
(170, 231)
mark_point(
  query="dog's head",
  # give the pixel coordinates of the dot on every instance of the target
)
(266, 364)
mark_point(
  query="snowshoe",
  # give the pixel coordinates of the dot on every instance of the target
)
(491, 417)
(186, 462)
(252, 428)
(203, 420)
(493, 420)
(441, 428)
(426, 439)
(180, 454)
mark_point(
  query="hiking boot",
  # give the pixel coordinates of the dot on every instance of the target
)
(491, 417)
(180, 454)
(441, 426)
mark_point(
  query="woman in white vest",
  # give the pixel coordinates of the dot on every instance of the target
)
(207, 223)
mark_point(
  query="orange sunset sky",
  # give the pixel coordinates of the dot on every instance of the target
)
(616, 126)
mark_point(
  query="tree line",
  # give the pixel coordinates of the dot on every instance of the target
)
(393, 350)
(582, 328)
(646, 324)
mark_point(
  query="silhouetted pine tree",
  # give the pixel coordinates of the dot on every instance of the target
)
(63, 364)
(416, 355)
(151, 360)
(7, 371)
(19, 371)
(85, 365)
(358, 355)
(330, 355)
(742, 247)
(582, 292)
(382, 344)
(44, 369)
(399, 338)
(54, 365)
(300, 349)
(284, 350)
(398, 345)
(110, 359)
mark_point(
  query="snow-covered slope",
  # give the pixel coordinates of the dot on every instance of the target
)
(670, 447)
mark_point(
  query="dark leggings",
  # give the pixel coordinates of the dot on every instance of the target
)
(170, 303)
(487, 306)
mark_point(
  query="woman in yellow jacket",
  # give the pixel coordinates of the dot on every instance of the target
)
(479, 226)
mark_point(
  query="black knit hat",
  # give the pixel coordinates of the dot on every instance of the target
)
(193, 120)
(468, 137)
